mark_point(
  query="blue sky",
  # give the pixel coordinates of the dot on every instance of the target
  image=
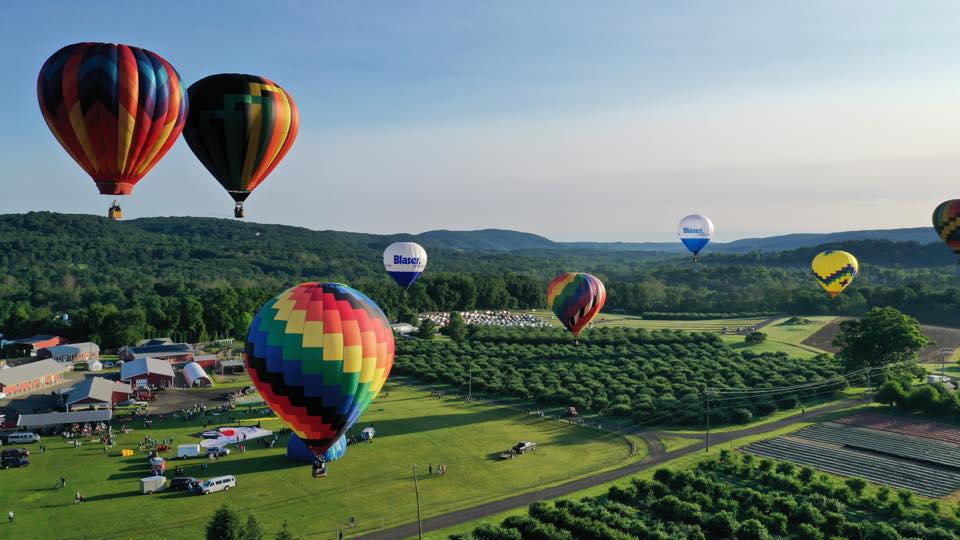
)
(576, 120)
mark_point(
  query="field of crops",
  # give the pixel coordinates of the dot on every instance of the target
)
(894, 444)
(941, 338)
(736, 496)
(925, 480)
(648, 376)
(940, 431)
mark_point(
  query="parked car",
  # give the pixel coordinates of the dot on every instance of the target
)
(14, 462)
(14, 453)
(183, 483)
(219, 483)
(219, 452)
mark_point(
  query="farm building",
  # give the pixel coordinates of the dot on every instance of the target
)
(56, 421)
(195, 375)
(232, 366)
(75, 352)
(147, 372)
(206, 361)
(174, 353)
(32, 376)
(29, 346)
(97, 392)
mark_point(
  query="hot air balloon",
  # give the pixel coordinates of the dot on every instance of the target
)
(318, 354)
(405, 261)
(240, 127)
(835, 270)
(298, 451)
(575, 299)
(946, 220)
(695, 231)
(115, 109)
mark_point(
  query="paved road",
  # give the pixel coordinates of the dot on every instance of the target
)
(655, 457)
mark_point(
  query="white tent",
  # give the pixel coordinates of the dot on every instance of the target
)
(195, 375)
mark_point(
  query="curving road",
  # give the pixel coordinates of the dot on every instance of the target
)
(656, 456)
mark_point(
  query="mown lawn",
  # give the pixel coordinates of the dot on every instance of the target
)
(373, 483)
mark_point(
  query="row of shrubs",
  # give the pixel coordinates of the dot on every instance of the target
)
(733, 497)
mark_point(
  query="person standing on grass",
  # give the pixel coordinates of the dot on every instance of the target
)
(430, 470)
(76, 498)
(10, 516)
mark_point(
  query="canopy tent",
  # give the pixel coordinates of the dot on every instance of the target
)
(297, 450)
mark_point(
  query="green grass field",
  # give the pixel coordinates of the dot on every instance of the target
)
(373, 483)
(780, 337)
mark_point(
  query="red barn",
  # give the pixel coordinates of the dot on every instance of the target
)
(147, 372)
(97, 392)
(32, 376)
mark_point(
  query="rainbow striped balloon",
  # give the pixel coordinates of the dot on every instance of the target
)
(318, 354)
(575, 299)
(115, 109)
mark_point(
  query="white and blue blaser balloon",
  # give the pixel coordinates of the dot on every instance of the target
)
(695, 231)
(405, 261)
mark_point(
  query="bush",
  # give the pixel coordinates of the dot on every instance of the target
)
(752, 529)
(755, 338)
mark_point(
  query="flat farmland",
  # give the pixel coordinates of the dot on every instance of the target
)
(941, 336)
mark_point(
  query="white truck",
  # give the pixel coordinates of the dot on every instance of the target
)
(188, 450)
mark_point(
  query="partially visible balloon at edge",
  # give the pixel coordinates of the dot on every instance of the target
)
(946, 221)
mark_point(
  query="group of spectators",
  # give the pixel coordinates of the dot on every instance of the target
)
(489, 318)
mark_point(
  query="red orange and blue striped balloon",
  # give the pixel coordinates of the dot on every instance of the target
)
(115, 109)
(575, 299)
(319, 353)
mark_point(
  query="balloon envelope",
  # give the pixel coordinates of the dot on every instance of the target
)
(575, 299)
(695, 231)
(115, 109)
(318, 354)
(405, 261)
(835, 270)
(240, 127)
(946, 220)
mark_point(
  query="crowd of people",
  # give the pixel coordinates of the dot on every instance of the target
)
(489, 318)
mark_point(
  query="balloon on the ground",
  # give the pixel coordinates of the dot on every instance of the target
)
(835, 270)
(946, 220)
(695, 231)
(115, 109)
(575, 299)
(319, 353)
(240, 127)
(297, 450)
(405, 261)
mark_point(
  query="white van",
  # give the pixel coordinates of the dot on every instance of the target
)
(219, 483)
(23, 437)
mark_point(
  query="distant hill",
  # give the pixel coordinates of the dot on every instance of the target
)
(485, 240)
(505, 240)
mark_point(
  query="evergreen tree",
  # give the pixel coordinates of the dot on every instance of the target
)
(225, 525)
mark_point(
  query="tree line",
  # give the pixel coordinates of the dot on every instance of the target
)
(197, 278)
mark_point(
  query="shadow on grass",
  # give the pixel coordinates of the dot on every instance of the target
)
(109, 496)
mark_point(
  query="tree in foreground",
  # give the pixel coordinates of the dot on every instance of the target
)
(252, 530)
(883, 336)
(284, 533)
(456, 329)
(224, 525)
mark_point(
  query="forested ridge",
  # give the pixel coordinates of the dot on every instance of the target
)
(201, 277)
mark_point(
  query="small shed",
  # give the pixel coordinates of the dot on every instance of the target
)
(194, 375)
(152, 484)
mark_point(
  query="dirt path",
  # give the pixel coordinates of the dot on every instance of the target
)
(654, 458)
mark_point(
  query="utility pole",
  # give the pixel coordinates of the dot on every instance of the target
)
(868, 382)
(470, 383)
(416, 485)
(708, 418)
